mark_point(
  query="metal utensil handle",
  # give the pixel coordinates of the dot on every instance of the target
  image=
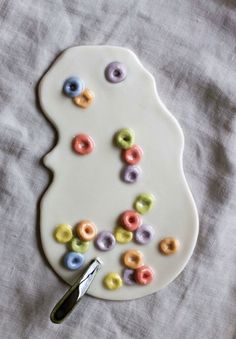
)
(72, 297)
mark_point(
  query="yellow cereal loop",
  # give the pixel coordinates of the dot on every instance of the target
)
(123, 236)
(63, 233)
(112, 281)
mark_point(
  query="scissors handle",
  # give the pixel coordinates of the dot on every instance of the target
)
(72, 297)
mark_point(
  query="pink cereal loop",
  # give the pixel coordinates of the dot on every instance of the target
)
(130, 220)
(144, 275)
(132, 155)
(83, 144)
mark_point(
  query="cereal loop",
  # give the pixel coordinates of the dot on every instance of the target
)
(133, 259)
(129, 277)
(144, 203)
(133, 155)
(85, 99)
(130, 220)
(115, 72)
(112, 281)
(73, 87)
(144, 234)
(83, 144)
(168, 246)
(86, 230)
(131, 173)
(77, 245)
(73, 261)
(123, 236)
(63, 233)
(124, 138)
(105, 241)
(144, 275)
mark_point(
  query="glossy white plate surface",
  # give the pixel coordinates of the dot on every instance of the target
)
(89, 187)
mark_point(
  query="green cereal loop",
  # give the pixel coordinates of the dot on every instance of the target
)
(144, 202)
(78, 245)
(125, 138)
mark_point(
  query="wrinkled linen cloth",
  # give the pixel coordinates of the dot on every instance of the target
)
(189, 46)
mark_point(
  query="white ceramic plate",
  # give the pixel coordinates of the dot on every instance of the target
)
(89, 187)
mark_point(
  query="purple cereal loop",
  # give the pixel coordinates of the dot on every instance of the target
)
(128, 277)
(105, 241)
(144, 234)
(130, 174)
(115, 72)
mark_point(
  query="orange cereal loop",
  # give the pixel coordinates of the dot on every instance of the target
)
(133, 259)
(85, 99)
(86, 230)
(168, 246)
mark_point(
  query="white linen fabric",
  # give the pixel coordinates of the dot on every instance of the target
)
(189, 46)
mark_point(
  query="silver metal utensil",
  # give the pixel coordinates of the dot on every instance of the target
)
(72, 297)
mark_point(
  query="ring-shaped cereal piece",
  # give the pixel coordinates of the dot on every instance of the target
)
(133, 259)
(86, 230)
(169, 245)
(131, 173)
(73, 87)
(83, 144)
(122, 235)
(105, 241)
(132, 155)
(85, 99)
(63, 233)
(144, 234)
(129, 277)
(144, 203)
(130, 220)
(115, 72)
(144, 275)
(73, 260)
(124, 138)
(77, 245)
(112, 281)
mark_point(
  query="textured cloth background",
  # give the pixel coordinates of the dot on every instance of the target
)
(189, 46)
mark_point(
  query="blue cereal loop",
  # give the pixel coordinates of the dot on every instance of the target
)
(73, 87)
(73, 260)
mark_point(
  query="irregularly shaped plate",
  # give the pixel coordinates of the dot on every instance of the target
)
(89, 187)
